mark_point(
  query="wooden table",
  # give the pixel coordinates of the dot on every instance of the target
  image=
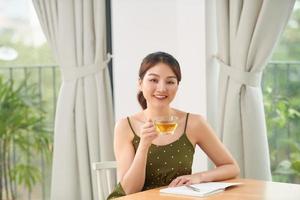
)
(249, 190)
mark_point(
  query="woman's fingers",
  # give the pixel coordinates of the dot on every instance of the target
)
(148, 125)
(182, 180)
(149, 130)
(148, 133)
(179, 181)
(174, 182)
(189, 182)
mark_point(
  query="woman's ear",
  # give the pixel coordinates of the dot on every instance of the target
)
(140, 84)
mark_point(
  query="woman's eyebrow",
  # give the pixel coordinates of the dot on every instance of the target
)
(152, 74)
(168, 77)
(172, 77)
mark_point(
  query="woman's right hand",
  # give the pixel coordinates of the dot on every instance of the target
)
(147, 134)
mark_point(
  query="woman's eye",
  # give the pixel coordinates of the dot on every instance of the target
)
(154, 80)
(171, 82)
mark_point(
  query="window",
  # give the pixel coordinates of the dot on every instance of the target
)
(281, 88)
(25, 58)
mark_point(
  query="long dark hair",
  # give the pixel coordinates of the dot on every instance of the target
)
(151, 60)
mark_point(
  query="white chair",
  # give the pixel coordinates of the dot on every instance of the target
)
(106, 177)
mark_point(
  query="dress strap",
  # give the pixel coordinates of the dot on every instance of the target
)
(131, 126)
(186, 120)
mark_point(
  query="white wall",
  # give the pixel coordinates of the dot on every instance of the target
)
(140, 27)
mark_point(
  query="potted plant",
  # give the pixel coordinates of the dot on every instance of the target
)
(22, 137)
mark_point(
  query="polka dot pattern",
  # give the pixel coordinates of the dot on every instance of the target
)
(166, 162)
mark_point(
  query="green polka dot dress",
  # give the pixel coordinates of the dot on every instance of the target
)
(164, 163)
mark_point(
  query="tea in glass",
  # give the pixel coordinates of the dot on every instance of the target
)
(166, 125)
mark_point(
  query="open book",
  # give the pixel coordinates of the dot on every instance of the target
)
(199, 190)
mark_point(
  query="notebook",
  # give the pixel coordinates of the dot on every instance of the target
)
(199, 190)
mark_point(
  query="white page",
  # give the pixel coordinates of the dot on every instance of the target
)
(204, 189)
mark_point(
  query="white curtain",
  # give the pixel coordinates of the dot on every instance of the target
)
(247, 33)
(84, 121)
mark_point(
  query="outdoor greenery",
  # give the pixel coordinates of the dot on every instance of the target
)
(22, 137)
(281, 88)
(25, 171)
(283, 117)
(288, 49)
(28, 55)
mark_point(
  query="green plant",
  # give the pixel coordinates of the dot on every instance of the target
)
(22, 131)
(284, 148)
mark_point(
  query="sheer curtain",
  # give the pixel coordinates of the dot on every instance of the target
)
(84, 118)
(247, 33)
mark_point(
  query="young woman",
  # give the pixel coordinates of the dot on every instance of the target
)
(146, 159)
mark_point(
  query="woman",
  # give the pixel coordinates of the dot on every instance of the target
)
(146, 159)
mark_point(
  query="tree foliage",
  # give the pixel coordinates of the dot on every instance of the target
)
(28, 55)
(288, 47)
(281, 86)
(22, 137)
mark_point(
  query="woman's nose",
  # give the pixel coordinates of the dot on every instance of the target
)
(162, 87)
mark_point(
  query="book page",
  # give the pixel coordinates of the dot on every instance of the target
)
(200, 190)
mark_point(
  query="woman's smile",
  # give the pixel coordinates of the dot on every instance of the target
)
(160, 97)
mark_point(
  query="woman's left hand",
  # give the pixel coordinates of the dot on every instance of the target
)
(185, 180)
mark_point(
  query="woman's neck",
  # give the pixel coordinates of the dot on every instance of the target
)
(156, 112)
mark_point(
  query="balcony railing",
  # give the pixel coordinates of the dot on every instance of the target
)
(281, 82)
(47, 80)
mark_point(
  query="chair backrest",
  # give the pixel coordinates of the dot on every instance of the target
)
(106, 177)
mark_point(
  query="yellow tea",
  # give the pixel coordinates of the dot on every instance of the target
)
(165, 128)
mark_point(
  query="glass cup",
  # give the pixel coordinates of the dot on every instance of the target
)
(166, 125)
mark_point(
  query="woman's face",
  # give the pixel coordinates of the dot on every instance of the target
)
(159, 85)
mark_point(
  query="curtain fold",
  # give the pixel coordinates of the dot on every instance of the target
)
(84, 121)
(247, 33)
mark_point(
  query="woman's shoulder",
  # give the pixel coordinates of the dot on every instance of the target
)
(121, 123)
(198, 128)
(192, 117)
(196, 121)
(196, 118)
(124, 120)
(122, 126)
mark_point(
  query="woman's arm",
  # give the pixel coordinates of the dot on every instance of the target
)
(131, 164)
(226, 167)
